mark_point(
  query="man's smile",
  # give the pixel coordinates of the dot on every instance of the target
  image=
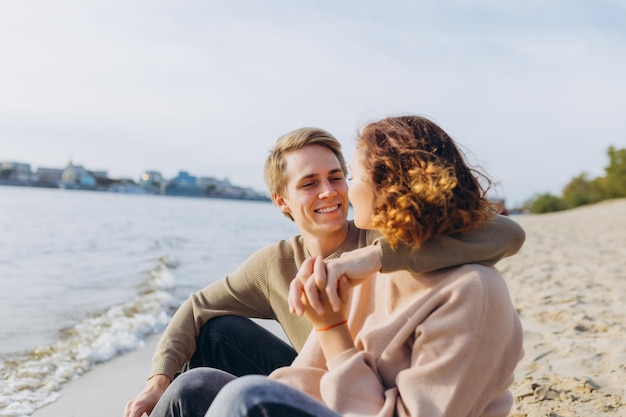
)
(328, 209)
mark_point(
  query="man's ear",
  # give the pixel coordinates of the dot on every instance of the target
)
(281, 203)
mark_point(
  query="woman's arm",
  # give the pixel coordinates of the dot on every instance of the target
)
(496, 238)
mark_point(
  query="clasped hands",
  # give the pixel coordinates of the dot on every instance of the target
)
(321, 289)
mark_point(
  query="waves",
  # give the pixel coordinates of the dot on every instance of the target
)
(86, 277)
(34, 378)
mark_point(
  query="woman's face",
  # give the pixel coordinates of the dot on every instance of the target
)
(360, 192)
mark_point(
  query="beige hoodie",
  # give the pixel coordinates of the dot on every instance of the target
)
(438, 344)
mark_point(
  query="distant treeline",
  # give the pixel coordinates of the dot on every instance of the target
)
(581, 190)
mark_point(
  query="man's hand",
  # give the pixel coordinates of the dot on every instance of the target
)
(147, 399)
(306, 294)
(356, 265)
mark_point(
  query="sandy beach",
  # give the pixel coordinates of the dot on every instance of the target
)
(568, 283)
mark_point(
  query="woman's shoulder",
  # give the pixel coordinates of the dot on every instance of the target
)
(477, 296)
(476, 283)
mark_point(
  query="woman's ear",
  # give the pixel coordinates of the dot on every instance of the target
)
(281, 203)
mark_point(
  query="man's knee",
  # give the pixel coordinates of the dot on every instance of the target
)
(198, 381)
(191, 393)
(188, 383)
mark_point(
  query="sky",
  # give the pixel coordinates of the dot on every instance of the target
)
(533, 91)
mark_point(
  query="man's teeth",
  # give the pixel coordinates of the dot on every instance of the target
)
(328, 209)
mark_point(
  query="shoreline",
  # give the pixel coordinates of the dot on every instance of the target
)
(568, 283)
(104, 390)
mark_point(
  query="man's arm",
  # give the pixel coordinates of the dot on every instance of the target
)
(495, 239)
(178, 343)
(242, 293)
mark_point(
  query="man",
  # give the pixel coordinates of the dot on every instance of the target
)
(306, 176)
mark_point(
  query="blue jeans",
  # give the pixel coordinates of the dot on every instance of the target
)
(227, 347)
(257, 396)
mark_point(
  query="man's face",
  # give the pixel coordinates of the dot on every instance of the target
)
(316, 194)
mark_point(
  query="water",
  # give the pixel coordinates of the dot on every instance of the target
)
(86, 276)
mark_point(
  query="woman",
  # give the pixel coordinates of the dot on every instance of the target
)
(444, 343)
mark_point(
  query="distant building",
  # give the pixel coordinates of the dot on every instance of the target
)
(152, 181)
(100, 174)
(213, 187)
(15, 171)
(184, 185)
(75, 176)
(49, 176)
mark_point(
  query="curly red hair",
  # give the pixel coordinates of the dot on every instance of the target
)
(421, 182)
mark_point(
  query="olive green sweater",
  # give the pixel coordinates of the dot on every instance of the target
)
(259, 287)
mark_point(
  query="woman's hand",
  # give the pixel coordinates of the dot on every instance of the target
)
(307, 296)
(355, 266)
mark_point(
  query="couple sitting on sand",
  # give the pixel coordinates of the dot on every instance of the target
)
(397, 313)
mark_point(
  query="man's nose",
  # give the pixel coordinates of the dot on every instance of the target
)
(328, 190)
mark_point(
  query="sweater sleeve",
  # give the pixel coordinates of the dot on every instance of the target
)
(462, 360)
(495, 239)
(306, 370)
(244, 293)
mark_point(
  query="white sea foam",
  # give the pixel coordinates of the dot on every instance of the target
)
(33, 378)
